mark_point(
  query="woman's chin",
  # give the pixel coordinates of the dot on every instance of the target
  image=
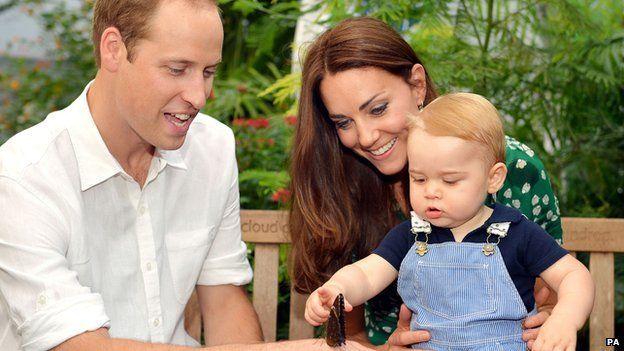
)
(389, 168)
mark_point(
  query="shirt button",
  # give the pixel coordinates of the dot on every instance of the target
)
(141, 210)
(148, 266)
(42, 300)
(156, 322)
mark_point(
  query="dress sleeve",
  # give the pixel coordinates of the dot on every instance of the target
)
(528, 188)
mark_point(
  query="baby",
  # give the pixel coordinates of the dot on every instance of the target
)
(466, 270)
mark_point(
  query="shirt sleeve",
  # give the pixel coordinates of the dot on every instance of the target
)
(528, 188)
(396, 244)
(227, 262)
(45, 302)
(541, 250)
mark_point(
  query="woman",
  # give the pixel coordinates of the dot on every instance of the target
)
(348, 167)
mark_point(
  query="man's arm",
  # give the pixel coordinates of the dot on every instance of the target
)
(228, 315)
(99, 340)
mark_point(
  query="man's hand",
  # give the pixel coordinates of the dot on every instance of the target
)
(545, 300)
(403, 337)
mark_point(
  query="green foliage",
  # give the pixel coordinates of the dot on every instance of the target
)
(555, 70)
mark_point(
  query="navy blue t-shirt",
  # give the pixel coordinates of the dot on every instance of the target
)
(527, 250)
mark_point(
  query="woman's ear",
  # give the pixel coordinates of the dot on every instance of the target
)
(418, 82)
(112, 49)
(496, 177)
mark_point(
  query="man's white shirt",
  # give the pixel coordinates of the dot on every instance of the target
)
(82, 246)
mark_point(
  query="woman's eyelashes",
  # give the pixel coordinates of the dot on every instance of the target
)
(379, 109)
(342, 123)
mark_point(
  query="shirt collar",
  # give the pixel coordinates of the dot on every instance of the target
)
(503, 213)
(173, 158)
(95, 162)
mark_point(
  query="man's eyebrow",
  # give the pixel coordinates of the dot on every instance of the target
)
(187, 62)
(363, 106)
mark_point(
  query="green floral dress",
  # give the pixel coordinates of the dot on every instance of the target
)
(527, 188)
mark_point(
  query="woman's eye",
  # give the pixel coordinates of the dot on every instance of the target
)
(342, 124)
(380, 109)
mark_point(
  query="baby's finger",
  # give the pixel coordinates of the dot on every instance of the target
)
(309, 319)
(324, 295)
(348, 307)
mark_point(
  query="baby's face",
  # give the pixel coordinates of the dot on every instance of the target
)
(448, 178)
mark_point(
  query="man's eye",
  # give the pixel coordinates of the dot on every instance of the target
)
(209, 74)
(380, 109)
(176, 71)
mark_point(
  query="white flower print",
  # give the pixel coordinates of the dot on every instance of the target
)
(530, 152)
(526, 187)
(549, 214)
(516, 203)
(534, 200)
(543, 174)
(536, 210)
(554, 218)
(507, 193)
(546, 199)
(387, 329)
(521, 163)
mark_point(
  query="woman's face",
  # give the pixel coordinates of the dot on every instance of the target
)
(369, 107)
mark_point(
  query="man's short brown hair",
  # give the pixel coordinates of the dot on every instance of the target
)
(130, 17)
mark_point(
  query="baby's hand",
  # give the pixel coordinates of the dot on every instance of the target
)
(320, 302)
(556, 334)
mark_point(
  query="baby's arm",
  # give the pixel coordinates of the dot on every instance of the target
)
(575, 290)
(358, 282)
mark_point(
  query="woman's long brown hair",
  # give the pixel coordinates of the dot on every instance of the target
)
(342, 206)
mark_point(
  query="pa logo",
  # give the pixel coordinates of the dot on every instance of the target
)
(612, 342)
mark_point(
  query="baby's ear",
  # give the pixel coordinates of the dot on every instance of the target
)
(496, 177)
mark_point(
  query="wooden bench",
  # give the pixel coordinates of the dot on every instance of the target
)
(601, 237)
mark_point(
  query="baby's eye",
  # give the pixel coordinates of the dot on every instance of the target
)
(418, 180)
(450, 181)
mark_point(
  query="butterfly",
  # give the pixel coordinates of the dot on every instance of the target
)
(335, 328)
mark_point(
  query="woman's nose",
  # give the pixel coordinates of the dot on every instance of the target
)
(367, 134)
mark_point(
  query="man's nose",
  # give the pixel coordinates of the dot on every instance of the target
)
(196, 91)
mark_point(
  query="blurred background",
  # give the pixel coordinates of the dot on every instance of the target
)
(554, 69)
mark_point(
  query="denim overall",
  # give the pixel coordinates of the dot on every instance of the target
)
(462, 294)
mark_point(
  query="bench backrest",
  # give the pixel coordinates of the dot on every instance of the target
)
(601, 237)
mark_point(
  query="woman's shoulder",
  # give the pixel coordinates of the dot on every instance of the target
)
(520, 155)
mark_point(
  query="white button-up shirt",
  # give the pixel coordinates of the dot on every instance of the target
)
(82, 246)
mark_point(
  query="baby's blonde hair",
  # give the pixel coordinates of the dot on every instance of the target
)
(466, 116)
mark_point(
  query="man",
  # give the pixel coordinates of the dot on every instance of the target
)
(116, 207)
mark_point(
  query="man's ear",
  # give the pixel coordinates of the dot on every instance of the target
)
(496, 177)
(112, 49)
